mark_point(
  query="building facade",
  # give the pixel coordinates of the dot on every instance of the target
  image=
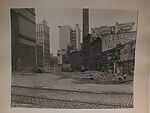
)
(117, 54)
(75, 40)
(119, 59)
(53, 61)
(43, 40)
(64, 36)
(23, 39)
(96, 53)
(69, 41)
(86, 49)
(117, 28)
(109, 41)
(39, 56)
(75, 60)
(60, 55)
(69, 37)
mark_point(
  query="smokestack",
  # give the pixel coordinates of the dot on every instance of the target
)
(85, 22)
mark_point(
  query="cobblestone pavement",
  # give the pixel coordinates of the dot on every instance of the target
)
(35, 102)
(51, 98)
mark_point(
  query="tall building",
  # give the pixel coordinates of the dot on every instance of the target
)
(23, 39)
(43, 40)
(64, 36)
(69, 37)
(75, 38)
(69, 40)
(65, 33)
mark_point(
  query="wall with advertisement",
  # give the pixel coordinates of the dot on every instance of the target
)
(112, 40)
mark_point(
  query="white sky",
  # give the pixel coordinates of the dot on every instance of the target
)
(97, 17)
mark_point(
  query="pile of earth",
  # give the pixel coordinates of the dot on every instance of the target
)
(93, 77)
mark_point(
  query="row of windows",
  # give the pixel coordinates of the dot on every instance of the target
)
(43, 28)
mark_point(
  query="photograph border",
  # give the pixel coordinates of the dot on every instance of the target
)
(142, 60)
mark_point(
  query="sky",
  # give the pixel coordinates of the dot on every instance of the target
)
(97, 17)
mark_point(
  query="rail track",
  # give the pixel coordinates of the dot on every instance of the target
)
(63, 99)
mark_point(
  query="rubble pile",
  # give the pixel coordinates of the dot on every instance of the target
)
(93, 77)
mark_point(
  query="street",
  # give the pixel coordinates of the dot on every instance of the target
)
(49, 91)
(53, 81)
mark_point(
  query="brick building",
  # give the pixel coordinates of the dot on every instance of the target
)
(119, 59)
(117, 47)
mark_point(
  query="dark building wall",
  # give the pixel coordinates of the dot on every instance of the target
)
(53, 61)
(96, 52)
(23, 40)
(27, 57)
(87, 51)
(14, 38)
(76, 60)
(39, 56)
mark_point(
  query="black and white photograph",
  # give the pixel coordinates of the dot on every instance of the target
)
(73, 58)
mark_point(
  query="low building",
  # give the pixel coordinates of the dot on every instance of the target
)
(120, 59)
(60, 55)
(110, 58)
(53, 61)
(76, 60)
(127, 57)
